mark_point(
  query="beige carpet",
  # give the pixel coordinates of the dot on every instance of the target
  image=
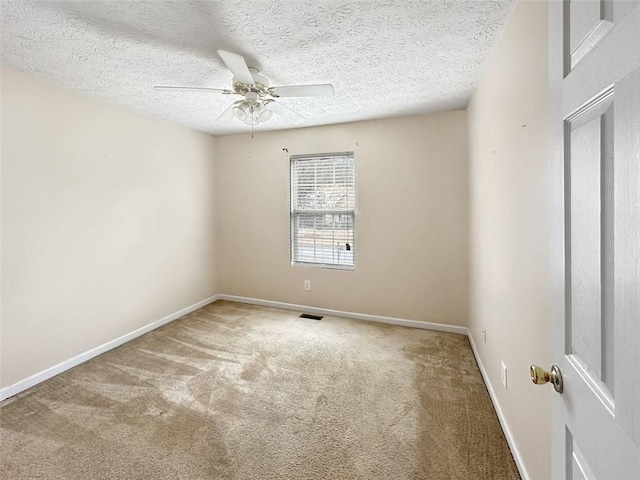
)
(235, 391)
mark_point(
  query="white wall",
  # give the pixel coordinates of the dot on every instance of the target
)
(411, 222)
(107, 222)
(509, 228)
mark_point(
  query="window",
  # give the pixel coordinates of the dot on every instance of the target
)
(323, 210)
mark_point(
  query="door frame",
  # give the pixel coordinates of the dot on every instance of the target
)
(556, 147)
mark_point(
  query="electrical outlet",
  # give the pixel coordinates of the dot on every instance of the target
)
(307, 285)
(504, 374)
(484, 335)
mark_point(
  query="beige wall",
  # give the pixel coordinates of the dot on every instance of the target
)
(411, 221)
(509, 228)
(107, 223)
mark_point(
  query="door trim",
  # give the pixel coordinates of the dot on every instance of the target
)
(556, 63)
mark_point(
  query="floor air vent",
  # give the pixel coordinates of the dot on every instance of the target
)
(310, 317)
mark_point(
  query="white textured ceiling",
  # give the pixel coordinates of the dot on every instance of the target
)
(386, 58)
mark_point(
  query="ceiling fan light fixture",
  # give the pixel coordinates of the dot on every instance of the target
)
(265, 115)
(252, 113)
(253, 116)
(241, 112)
(251, 121)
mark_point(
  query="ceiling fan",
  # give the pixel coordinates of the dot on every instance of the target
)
(259, 102)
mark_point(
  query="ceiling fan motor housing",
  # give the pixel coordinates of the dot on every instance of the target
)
(260, 85)
(251, 98)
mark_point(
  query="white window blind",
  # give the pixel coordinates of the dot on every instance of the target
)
(323, 210)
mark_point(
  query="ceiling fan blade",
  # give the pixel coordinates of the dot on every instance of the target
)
(167, 88)
(285, 112)
(237, 65)
(227, 114)
(324, 90)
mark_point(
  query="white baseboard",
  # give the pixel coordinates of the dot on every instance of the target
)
(83, 357)
(503, 422)
(337, 313)
(28, 382)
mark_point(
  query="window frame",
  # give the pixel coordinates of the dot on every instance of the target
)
(293, 214)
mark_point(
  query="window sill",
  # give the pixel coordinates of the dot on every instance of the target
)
(348, 268)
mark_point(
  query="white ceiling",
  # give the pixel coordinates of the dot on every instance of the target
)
(386, 58)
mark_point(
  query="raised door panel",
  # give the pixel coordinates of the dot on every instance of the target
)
(589, 214)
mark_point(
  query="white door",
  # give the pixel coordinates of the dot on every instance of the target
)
(595, 144)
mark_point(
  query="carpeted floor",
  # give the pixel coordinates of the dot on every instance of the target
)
(235, 391)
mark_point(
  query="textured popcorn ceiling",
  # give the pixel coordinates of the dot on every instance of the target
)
(385, 58)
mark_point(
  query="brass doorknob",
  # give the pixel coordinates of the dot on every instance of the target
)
(540, 376)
